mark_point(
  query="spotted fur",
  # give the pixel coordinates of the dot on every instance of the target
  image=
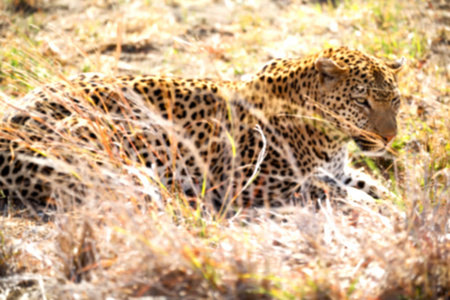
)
(279, 137)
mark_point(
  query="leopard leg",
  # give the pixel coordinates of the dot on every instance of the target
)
(320, 187)
(361, 181)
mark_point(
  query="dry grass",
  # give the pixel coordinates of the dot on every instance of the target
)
(123, 246)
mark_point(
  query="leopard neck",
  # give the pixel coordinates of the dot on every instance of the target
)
(284, 82)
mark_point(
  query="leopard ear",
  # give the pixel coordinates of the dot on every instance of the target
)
(397, 65)
(329, 69)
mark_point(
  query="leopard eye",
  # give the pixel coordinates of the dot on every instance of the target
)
(362, 101)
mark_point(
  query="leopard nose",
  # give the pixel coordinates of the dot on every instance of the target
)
(389, 138)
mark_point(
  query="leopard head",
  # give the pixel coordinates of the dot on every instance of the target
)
(359, 93)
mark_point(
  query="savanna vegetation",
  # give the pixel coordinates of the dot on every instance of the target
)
(124, 247)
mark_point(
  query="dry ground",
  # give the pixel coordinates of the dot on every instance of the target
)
(122, 248)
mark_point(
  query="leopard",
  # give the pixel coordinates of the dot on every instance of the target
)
(278, 138)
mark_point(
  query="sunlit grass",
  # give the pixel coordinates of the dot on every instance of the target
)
(126, 246)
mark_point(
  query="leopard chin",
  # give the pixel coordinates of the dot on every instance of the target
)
(370, 147)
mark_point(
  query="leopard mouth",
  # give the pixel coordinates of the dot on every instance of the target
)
(370, 146)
